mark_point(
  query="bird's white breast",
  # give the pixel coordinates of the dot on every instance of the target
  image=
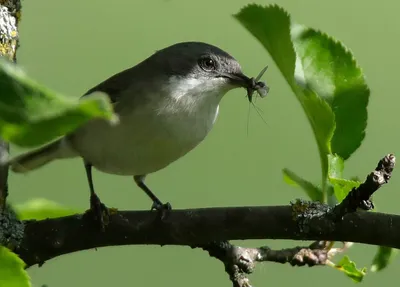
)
(150, 137)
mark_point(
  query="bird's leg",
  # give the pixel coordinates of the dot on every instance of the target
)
(99, 210)
(163, 208)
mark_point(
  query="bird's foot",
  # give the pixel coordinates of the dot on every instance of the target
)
(99, 211)
(162, 208)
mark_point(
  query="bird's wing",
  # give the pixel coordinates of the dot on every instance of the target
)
(115, 85)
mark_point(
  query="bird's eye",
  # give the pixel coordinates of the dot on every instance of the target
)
(207, 64)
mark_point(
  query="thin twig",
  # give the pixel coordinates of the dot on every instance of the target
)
(360, 197)
(241, 261)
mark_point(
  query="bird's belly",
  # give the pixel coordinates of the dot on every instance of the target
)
(140, 144)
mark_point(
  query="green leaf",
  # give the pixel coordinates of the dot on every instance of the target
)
(271, 25)
(383, 258)
(41, 209)
(335, 171)
(342, 187)
(322, 122)
(350, 269)
(31, 115)
(12, 272)
(331, 71)
(313, 192)
(336, 166)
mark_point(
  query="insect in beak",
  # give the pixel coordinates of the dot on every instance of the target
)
(256, 85)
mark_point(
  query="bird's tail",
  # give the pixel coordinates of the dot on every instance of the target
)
(37, 158)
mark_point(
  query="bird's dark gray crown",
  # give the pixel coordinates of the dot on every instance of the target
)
(181, 59)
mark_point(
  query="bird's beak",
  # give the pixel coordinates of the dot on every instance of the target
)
(239, 80)
(250, 84)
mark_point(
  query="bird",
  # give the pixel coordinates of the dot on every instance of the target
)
(166, 105)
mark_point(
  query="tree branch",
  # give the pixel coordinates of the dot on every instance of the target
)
(4, 152)
(10, 11)
(46, 239)
(211, 228)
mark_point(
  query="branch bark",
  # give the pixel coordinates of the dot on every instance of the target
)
(47, 239)
(10, 11)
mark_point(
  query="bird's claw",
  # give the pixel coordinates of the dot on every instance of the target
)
(163, 209)
(100, 211)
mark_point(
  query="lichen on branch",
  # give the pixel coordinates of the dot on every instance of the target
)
(10, 15)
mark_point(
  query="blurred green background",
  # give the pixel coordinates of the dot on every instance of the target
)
(73, 45)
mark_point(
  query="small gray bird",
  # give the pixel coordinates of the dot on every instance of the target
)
(166, 106)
